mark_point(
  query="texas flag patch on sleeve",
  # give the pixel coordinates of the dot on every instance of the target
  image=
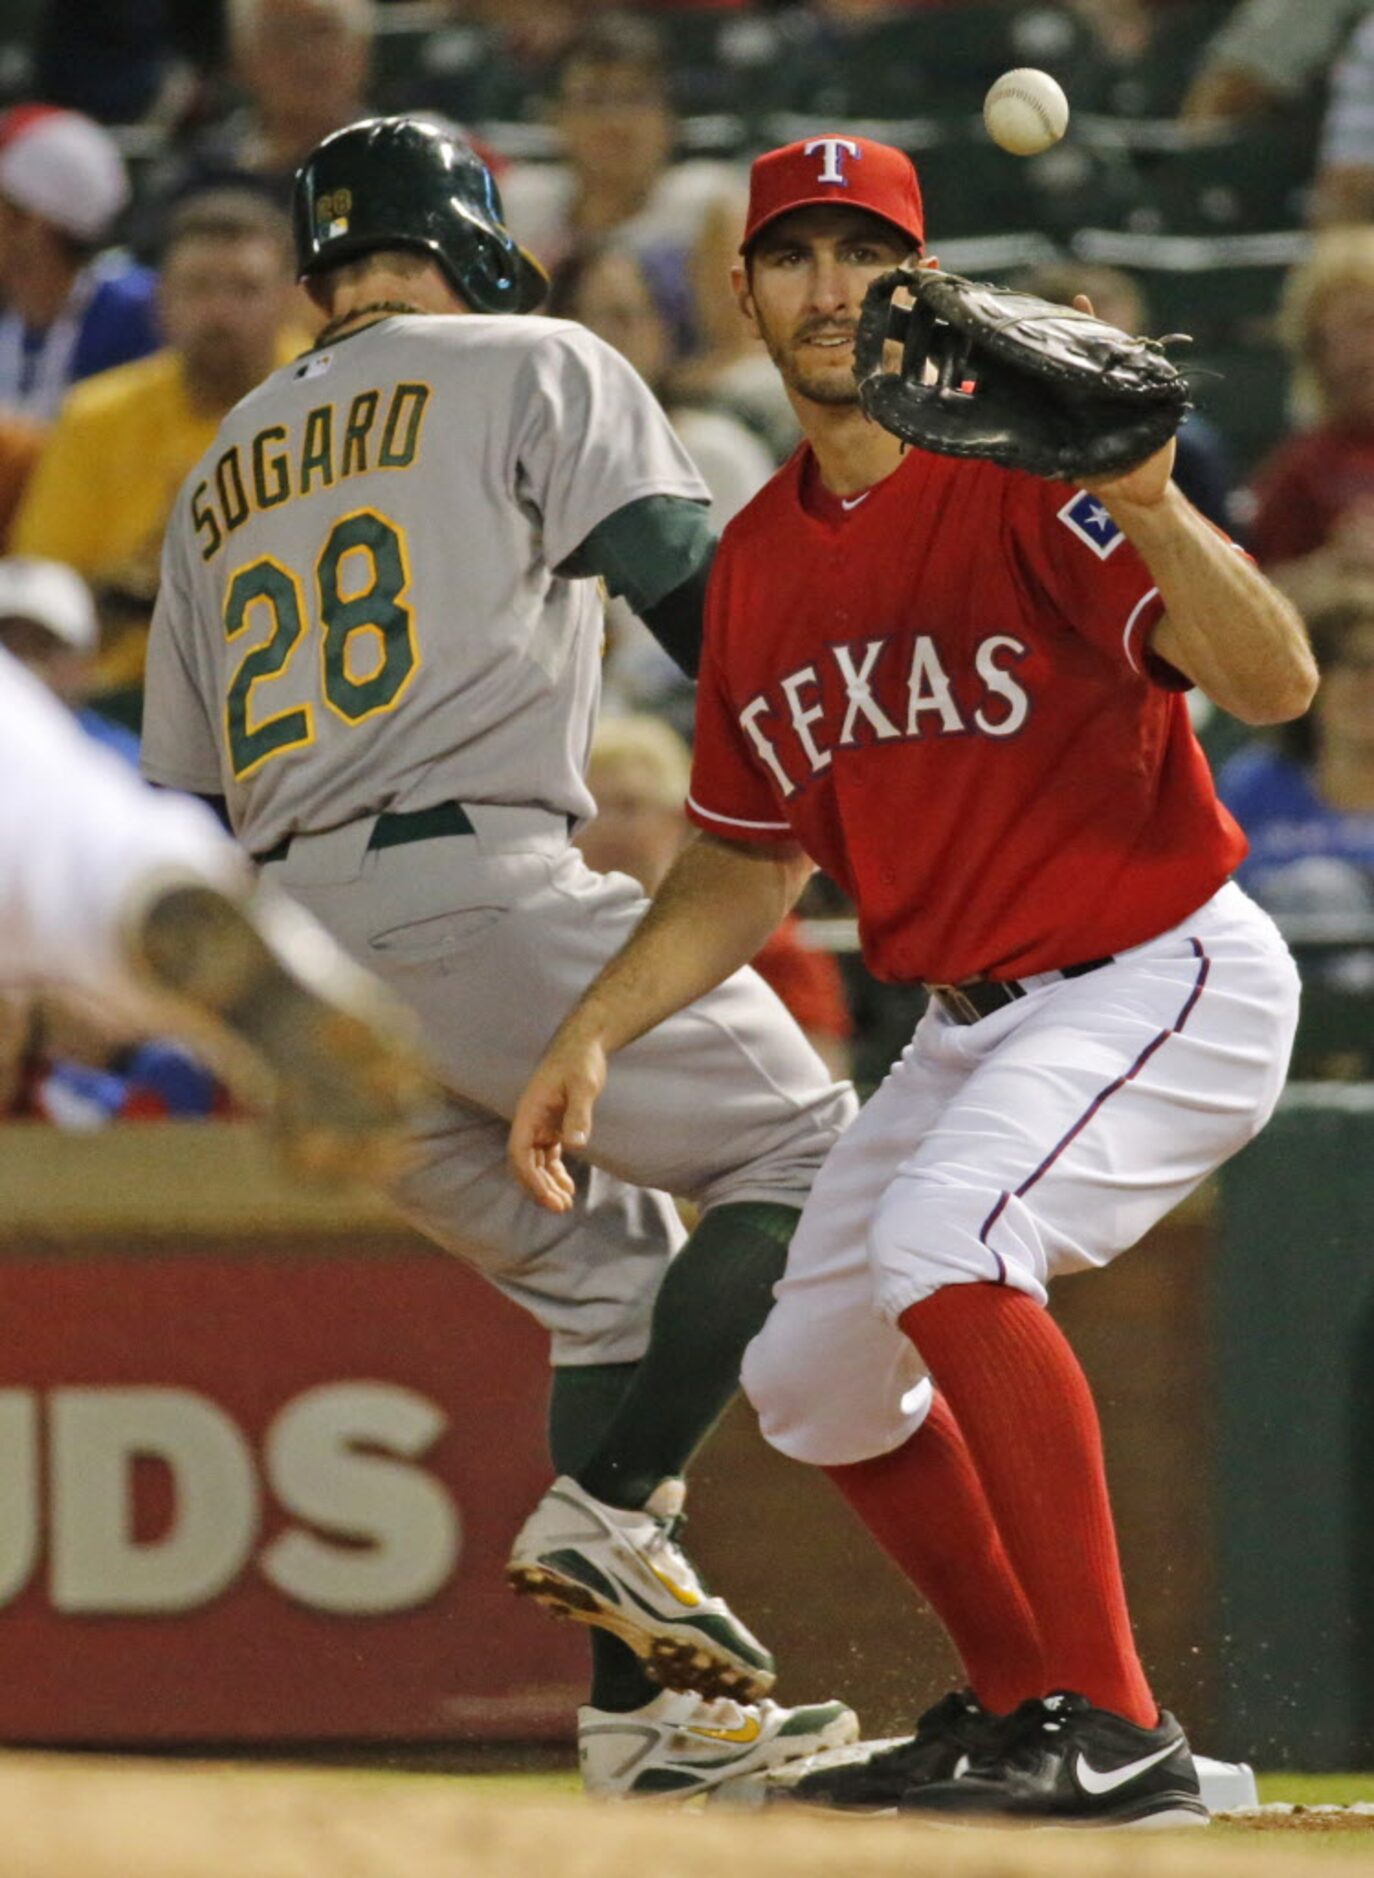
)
(1085, 517)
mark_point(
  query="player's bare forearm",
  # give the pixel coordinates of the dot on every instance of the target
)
(717, 906)
(1225, 626)
(711, 915)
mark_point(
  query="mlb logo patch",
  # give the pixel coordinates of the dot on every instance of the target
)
(317, 364)
(1085, 517)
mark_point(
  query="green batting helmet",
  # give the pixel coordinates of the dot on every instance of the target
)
(399, 182)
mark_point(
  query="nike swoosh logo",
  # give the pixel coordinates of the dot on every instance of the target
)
(1093, 1782)
(844, 504)
(750, 1730)
(683, 1596)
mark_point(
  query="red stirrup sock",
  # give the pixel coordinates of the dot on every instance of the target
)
(1027, 1414)
(925, 1505)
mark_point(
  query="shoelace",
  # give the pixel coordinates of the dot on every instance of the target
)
(663, 1541)
(945, 1717)
(1020, 1738)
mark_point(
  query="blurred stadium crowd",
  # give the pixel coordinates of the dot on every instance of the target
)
(1217, 180)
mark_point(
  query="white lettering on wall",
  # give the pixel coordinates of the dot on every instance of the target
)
(371, 1529)
(96, 1436)
(406, 1523)
(20, 1526)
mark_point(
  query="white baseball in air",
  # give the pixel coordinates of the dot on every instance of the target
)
(1025, 111)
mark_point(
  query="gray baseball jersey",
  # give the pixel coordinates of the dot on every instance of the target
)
(358, 609)
(359, 616)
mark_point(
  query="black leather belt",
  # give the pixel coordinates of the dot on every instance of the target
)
(977, 998)
(394, 829)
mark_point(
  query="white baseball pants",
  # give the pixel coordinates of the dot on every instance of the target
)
(1043, 1139)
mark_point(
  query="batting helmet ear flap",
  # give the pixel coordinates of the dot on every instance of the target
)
(492, 280)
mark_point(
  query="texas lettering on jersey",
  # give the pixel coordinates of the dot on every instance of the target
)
(885, 697)
(945, 693)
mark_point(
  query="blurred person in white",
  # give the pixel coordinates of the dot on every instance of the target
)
(1305, 793)
(1265, 55)
(48, 623)
(1314, 516)
(617, 128)
(138, 902)
(58, 1063)
(638, 772)
(67, 310)
(604, 287)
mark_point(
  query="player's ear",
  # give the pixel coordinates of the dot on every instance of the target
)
(744, 298)
(931, 261)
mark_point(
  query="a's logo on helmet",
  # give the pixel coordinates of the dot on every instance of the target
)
(332, 213)
(832, 168)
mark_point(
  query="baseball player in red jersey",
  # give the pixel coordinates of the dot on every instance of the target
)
(959, 689)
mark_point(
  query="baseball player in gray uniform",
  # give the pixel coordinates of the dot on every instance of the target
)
(378, 643)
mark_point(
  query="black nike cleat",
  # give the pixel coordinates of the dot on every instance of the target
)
(1061, 1762)
(946, 1737)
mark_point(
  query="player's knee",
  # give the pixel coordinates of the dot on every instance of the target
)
(826, 1412)
(817, 1128)
(934, 1228)
(784, 1170)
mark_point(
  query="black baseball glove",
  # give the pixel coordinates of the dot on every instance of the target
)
(1016, 379)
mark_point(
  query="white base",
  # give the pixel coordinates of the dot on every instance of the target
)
(1225, 1785)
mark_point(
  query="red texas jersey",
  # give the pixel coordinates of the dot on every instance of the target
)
(940, 688)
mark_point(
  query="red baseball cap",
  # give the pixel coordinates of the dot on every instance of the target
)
(853, 171)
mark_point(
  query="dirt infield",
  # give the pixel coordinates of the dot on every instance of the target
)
(63, 1817)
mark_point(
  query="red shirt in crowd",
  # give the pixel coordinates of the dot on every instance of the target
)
(941, 689)
(1305, 486)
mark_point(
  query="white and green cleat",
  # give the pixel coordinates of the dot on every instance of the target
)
(680, 1745)
(624, 1572)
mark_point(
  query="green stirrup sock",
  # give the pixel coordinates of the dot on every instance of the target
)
(582, 1400)
(713, 1300)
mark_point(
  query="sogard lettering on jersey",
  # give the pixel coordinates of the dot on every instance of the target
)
(864, 692)
(376, 432)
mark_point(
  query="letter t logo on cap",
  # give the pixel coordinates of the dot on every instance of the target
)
(831, 171)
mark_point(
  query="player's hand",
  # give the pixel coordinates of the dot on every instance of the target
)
(554, 1113)
(1142, 486)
